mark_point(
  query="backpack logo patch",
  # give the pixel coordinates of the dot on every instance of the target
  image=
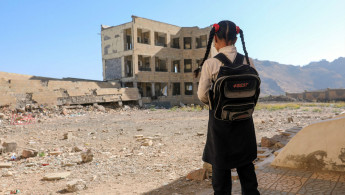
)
(240, 85)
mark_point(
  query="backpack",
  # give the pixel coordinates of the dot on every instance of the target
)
(236, 90)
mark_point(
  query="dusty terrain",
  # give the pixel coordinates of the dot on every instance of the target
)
(135, 150)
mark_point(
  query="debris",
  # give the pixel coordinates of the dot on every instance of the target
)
(197, 175)
(15, 192)
(290, 119)
(75, 185)
(68, 135)
(2, 116)
(64, 111)
(27, 153)
(267, 142)
(5, 165)
(55, 153)
(7, 174)
(200, 134)
(9, 146)
(56, 176)
(87, 156)
(147, 142)
(278, 145)
(126, 107)
(78, 148)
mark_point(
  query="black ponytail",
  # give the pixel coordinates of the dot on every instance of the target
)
(210, 39)
(244, 46)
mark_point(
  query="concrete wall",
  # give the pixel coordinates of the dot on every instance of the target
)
(319, 146)
(326, 95)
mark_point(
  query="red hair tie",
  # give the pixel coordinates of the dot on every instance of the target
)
(237, 29)
(216, 27)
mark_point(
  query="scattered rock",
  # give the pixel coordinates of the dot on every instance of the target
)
(126, 107)
(86, 156)
(278, 145)
(78, 148)
(2, 116)
(27, 153)
(147, 142)
(9, 146)
(64, 111)
(290, 119)
(197, 175)
(7, 174)
(75, 185)
(56, 176)
(5, 165)
(200, 134)
(267, 142)
(55, 153)
(68, 135)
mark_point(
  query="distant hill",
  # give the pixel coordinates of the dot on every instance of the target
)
(279, 78)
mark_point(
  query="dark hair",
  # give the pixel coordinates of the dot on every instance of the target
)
(227, 31)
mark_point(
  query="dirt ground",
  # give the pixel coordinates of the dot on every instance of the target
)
(136, 151)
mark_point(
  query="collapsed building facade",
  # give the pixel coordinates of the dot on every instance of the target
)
(155, 57)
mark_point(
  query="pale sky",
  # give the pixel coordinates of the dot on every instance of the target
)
(61, 38)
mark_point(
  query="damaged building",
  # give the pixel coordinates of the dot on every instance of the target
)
(155, 57)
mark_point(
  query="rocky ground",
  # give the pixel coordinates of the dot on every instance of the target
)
(101, 150)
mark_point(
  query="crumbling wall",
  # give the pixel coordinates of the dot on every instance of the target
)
(19, 92)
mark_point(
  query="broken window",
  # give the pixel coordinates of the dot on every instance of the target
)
(106, 49)
(187, 42)
(176, 89)
(106, 37)
(128, 66)
(175, 66)
(160, 39)
(128, 39)
(161, 65)
(175, 43)
(145, 89)
(144, 63)
(201, 41)
(188, 89)
(161, 89)
(143, 36)
(187, 65)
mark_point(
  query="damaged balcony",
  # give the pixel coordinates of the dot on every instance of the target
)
(201, 42)
(175, 43)
(128, 66)
(161, 65)
(128, 39)
(175, 66)
(144, 63)
(187, 65)
(143, 36)
(160, 39)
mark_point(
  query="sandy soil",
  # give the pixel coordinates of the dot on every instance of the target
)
(124, 160)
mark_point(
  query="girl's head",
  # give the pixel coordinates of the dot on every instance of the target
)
(224, 33)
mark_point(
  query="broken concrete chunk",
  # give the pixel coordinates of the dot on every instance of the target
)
(197, 175)
(87, 156)
(267, 142)
(75, 185)
(5, 164)
(27, 153)
(9, 146)
(55, 153)
(56, 176)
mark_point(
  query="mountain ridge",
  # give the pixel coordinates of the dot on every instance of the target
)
(280, 78)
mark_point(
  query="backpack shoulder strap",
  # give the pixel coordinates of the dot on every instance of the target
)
(221, 57)
(239, 59)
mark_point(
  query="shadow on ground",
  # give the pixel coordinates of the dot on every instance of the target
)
(182, 186)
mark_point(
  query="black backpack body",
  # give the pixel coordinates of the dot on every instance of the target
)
(236, 90)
